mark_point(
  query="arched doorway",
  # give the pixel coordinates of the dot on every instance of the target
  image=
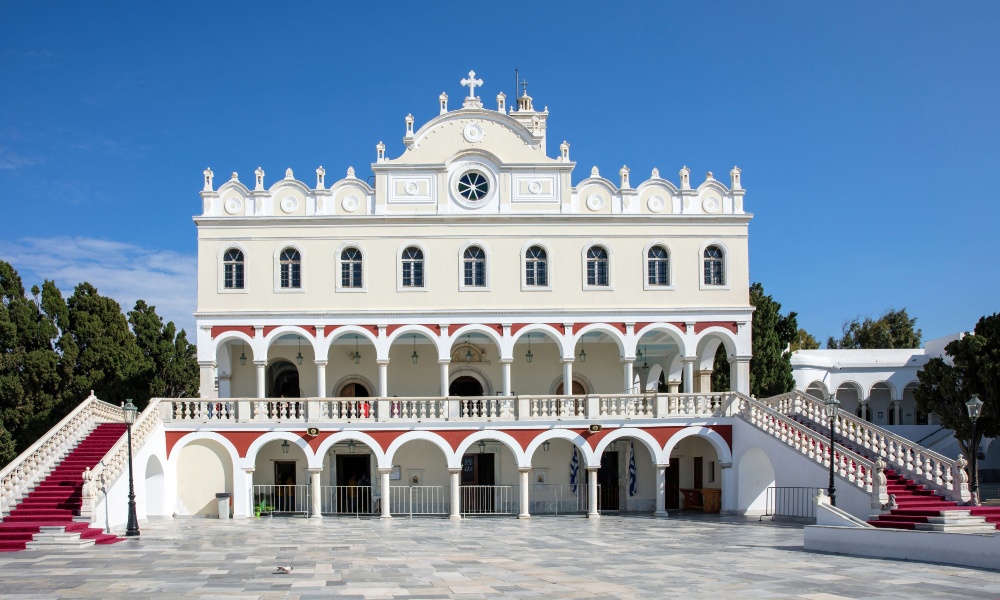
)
(578, 389)
(354, 390)
(283, 380)
(465, 385)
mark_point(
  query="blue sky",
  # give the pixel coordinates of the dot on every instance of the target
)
(867, 132)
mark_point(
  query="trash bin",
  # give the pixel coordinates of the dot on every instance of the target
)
(223, 500)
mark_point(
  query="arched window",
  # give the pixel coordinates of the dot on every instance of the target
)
(350, 268)
(232, 270)
(658, 266)
(413, 267)
(291, 269)
(536, 272)
(714, 266)
(474, 265)
(597, 266)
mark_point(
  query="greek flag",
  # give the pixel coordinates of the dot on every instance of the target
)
(574, 470)
(631, 470)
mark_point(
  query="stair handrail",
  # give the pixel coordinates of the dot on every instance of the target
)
(815, 447)
(923, 465)
(114, 462)
(36, 460)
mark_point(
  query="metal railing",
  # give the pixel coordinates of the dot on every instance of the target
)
(489, 499)
(280, 499)
(348, 500)
(557, 499)
(790, 502)
(419, 500)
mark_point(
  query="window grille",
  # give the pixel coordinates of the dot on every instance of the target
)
(291, 269)
(714, 266)
(536, 267)
(350, 268)
(597, 266)
(232, 273)
(475, 267)
(658, 266)
(413, 267)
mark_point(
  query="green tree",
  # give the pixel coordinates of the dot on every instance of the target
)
(171, 366)
(804, 341)
(107, 359)
(972, 367)
(29, 375)
(894, 329)
(770, 367)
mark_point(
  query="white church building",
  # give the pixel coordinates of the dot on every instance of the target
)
(478, 329)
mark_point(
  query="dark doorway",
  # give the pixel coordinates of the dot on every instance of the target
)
(354, 484)
(284, 380)
(661, 385)
(465, 386)
(354, 390)
(607, 480)
(284, 486)
(477, 470)
(699, 473)
(673, 485)
(578, 389)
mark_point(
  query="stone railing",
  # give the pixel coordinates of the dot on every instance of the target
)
(451, 408)
(904, 456)
(854, 468)
(18, 477)
(115, 461)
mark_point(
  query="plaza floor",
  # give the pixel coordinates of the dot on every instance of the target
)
(545, 557)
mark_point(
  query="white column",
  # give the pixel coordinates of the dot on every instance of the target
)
(383, 378)
(567, 364)
(316, 494)
(739, 374)
(728, 500)
(383, 475)
(260, 364)
(525, 478)
(627, 368)
(661, 490)
(689, 373)
(444, 364)
(505, 370)
(321, 378)
(592, 493)
(242, 496)
(206, 389)
(456, 500)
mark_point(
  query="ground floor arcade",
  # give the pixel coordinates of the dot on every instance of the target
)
(456, 472)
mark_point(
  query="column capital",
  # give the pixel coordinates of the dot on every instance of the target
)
(444, 361)
(208, 363)
(454, 471)
(626, 359)
(727, 465)
(594, 469)
(663, 465)
(260, 363)
(314, 470)
(506, 360)
(689, 359)
(249, 470)
(383, 471)
(382, 361)
(564, 360)
(524, 469)
(322, 363)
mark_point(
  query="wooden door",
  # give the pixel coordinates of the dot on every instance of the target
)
(477, 470)
(699, 473)
(607, 479)
(673, 485)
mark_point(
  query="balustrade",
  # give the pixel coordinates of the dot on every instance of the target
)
(924, 466)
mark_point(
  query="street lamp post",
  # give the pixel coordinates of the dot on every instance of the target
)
(975, 408)
(830, 408)
(132, 529)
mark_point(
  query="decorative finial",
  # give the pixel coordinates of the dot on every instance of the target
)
(685, 178)
(443, 99)
(656, 173)
(734, 177)
(501, 102)
(289, 174)
(350, 172)
(709, 176)
(320, 177)
(260, 178)
(594, 172)
(208, 179)
(409, 125)
(380, 148)
(472, 83)
(564, 150)
(235, 176)
(623, 172)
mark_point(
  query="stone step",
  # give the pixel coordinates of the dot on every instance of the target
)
(49, 537)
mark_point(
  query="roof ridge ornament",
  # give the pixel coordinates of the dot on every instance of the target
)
(472, 101)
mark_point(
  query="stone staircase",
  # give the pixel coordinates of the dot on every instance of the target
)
(917, 506)
(45, 516)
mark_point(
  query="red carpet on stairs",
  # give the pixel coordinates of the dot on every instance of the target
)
(915, 502)
(59, 497)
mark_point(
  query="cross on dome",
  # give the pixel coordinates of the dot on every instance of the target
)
(472, 83)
